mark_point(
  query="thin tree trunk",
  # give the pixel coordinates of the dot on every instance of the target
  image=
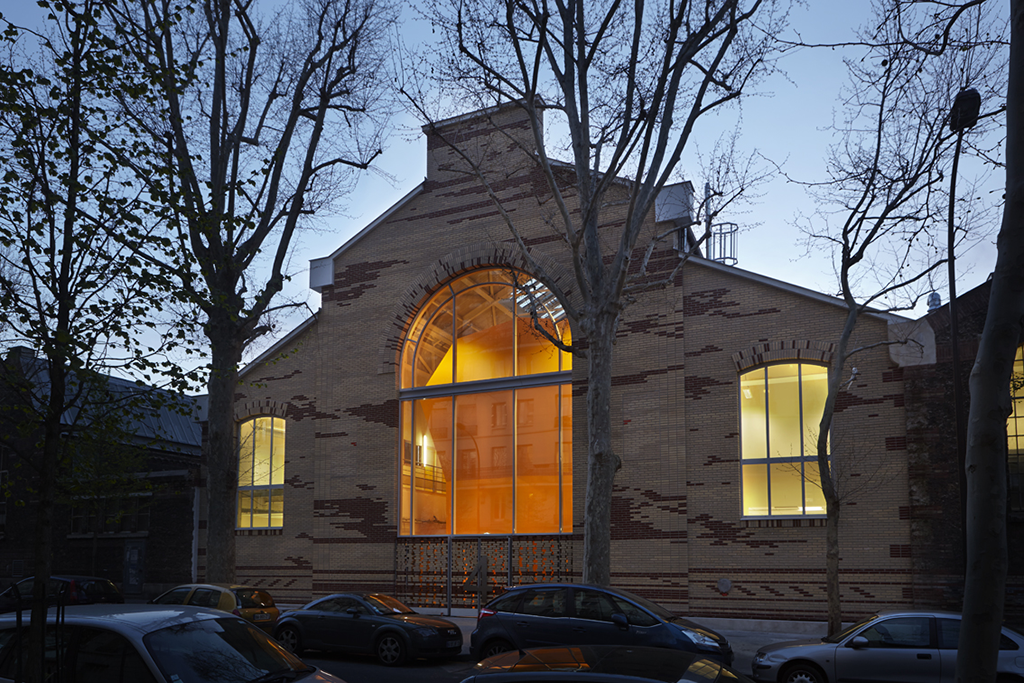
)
(985, 580)
(602, 462)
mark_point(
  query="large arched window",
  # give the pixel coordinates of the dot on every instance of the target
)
(486, 411)
(780, 410)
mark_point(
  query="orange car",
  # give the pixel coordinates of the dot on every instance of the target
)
(252, 604)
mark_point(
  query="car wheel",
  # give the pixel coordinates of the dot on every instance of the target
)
(495, 647)
(391, 649)
(290, 639)
(802, 673)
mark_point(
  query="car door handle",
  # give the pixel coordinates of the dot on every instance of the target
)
(523, 624)
(578, 629)
(923, 655)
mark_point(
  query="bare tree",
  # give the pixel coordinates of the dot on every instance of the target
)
(888, 177)
(268, 121)
(628, 83)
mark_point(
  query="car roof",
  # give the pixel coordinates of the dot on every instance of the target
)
(127, 619)
(916, 613)
(223, 586)
(645, 663)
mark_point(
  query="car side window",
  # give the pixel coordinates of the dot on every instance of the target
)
(173, 597)
(506, 603)
(545, 602)
(205, 597)
(949, 633)
(899, 632)
(635, 615)
(106, 657)
(54, 651)
(591, 604)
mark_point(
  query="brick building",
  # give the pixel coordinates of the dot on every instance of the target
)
(416, 425)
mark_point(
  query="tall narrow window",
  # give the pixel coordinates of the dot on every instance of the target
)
(780, 409)
(1015, 435)
(487, 411)
(261, 473)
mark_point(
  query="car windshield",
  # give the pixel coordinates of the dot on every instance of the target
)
(835, 638)
(223, 650)
(385, 604)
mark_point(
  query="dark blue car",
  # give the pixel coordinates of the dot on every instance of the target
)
(553, 614)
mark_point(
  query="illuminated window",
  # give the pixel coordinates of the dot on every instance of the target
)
(1015, 434)
(487, 411)
(261, 473)
(780, 408)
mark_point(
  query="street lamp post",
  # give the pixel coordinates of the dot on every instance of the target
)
(962, 116)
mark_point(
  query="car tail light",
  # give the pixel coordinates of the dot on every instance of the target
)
(236, 612)
(485, 612)
(72, 592)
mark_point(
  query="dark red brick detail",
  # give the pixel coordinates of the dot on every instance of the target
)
(701, 386)
(352, 282)
(904, 512)
(723, 533)
(631, 516)
(298, 483)
(847, 400)
(896, 550)
(708, 348)
(385, 413)
(895, 443)
(365, 516)
(894, 375)
(712, 302)
(641, 377)
(302, 408)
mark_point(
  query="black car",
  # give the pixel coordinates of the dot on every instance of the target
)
(64, 589)
(369, 623)
(603, 664)
(544, 615)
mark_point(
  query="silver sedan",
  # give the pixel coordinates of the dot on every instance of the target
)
(894, 647)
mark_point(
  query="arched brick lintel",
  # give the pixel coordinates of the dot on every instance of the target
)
(463, 260)
(257, 408)
(783, 350)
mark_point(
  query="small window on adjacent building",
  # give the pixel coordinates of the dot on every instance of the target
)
(261, 473)
(780, 409)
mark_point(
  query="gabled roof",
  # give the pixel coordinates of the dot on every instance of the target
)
(169, 423)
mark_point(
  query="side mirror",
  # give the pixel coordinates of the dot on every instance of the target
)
(354, 611)
(620, 620)
(857, 642)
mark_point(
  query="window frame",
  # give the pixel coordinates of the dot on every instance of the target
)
(411, 390)
(271, 489)
(767, 461)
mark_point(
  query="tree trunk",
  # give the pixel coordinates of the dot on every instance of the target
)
(602, 462)
(221, 454)
(985, 580)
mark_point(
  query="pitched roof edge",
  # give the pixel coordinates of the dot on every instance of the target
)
(321, 270)
(795, 289)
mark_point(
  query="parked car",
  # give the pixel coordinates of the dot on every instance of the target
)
(368, 623)
(544, 615)
(602, 664)
(65, 589)
(152, 644)
(252, 604)
(887, 646)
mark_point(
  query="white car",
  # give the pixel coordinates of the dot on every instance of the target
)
(888, 647)
(153, 644)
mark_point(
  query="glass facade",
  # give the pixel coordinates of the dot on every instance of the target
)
(780, 409)
(261, 473)
(486, 411)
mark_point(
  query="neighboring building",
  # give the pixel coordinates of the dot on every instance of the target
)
(417, 428)
(141, 534)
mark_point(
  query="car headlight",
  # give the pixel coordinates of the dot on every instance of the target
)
(425, 631)
(700, 639)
